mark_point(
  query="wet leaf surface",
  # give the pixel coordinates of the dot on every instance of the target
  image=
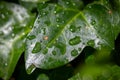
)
(63, 32)
(13, 28)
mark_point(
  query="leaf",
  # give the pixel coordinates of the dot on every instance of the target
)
(98, 72)
(43, 77)
(13, 28)
(62, 33)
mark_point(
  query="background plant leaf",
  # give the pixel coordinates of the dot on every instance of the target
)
(60, 33)
(13, 28)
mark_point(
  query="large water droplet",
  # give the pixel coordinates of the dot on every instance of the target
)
(93, 22)
(43, 31)
(47, 23)
(61, 47)
(45, 51)
(74, 52)
(37, 47)
(54, 53)
(31, 37)
(74, 41)
(91, 43)
(72, 28)
(31, 68)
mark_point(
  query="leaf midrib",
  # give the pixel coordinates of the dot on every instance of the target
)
(70, 21)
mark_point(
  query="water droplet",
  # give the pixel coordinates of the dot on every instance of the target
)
(45, 13)
(45, 50)
(31, 37)
(43, 31)
(31, 68)
(13, 35)
(78, 28)
(74, 52)
(55, 12)
(6, 64)
(74, 4)
(37, 47)
(93, 22)
(58, 25)
(1, 33)
(67, 2)
(54, 53)
(91, 43)
(58, 19)
(3, 16)
(23, 33)
(74, 41)
(47, 23)
(61, 47)
(63, 21)
(72, 28)
(79, 49)
(89, 7)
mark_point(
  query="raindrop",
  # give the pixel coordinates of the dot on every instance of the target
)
(55, 12)
(72, 28)
(45, 51)
(67, 2)
(37, 47)
(58, 25)
(78, 28)
(63, 21)
(1, 33)
(74, 41)
(58, 19)
(6, 64)
(79, 49)
(61, 47)
(31, 68)
(44, 31)
(74, 4)
(3, 16)
(89, 6)
(74, 52)
(93, 22)
(23, 33)
(13, 35)
(47, 23)
(54, 53)
(31, 37)
(91, 43)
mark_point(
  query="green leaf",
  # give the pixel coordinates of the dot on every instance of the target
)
(98, 72)
(43, 77)
(13, 28)
(64, 32)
